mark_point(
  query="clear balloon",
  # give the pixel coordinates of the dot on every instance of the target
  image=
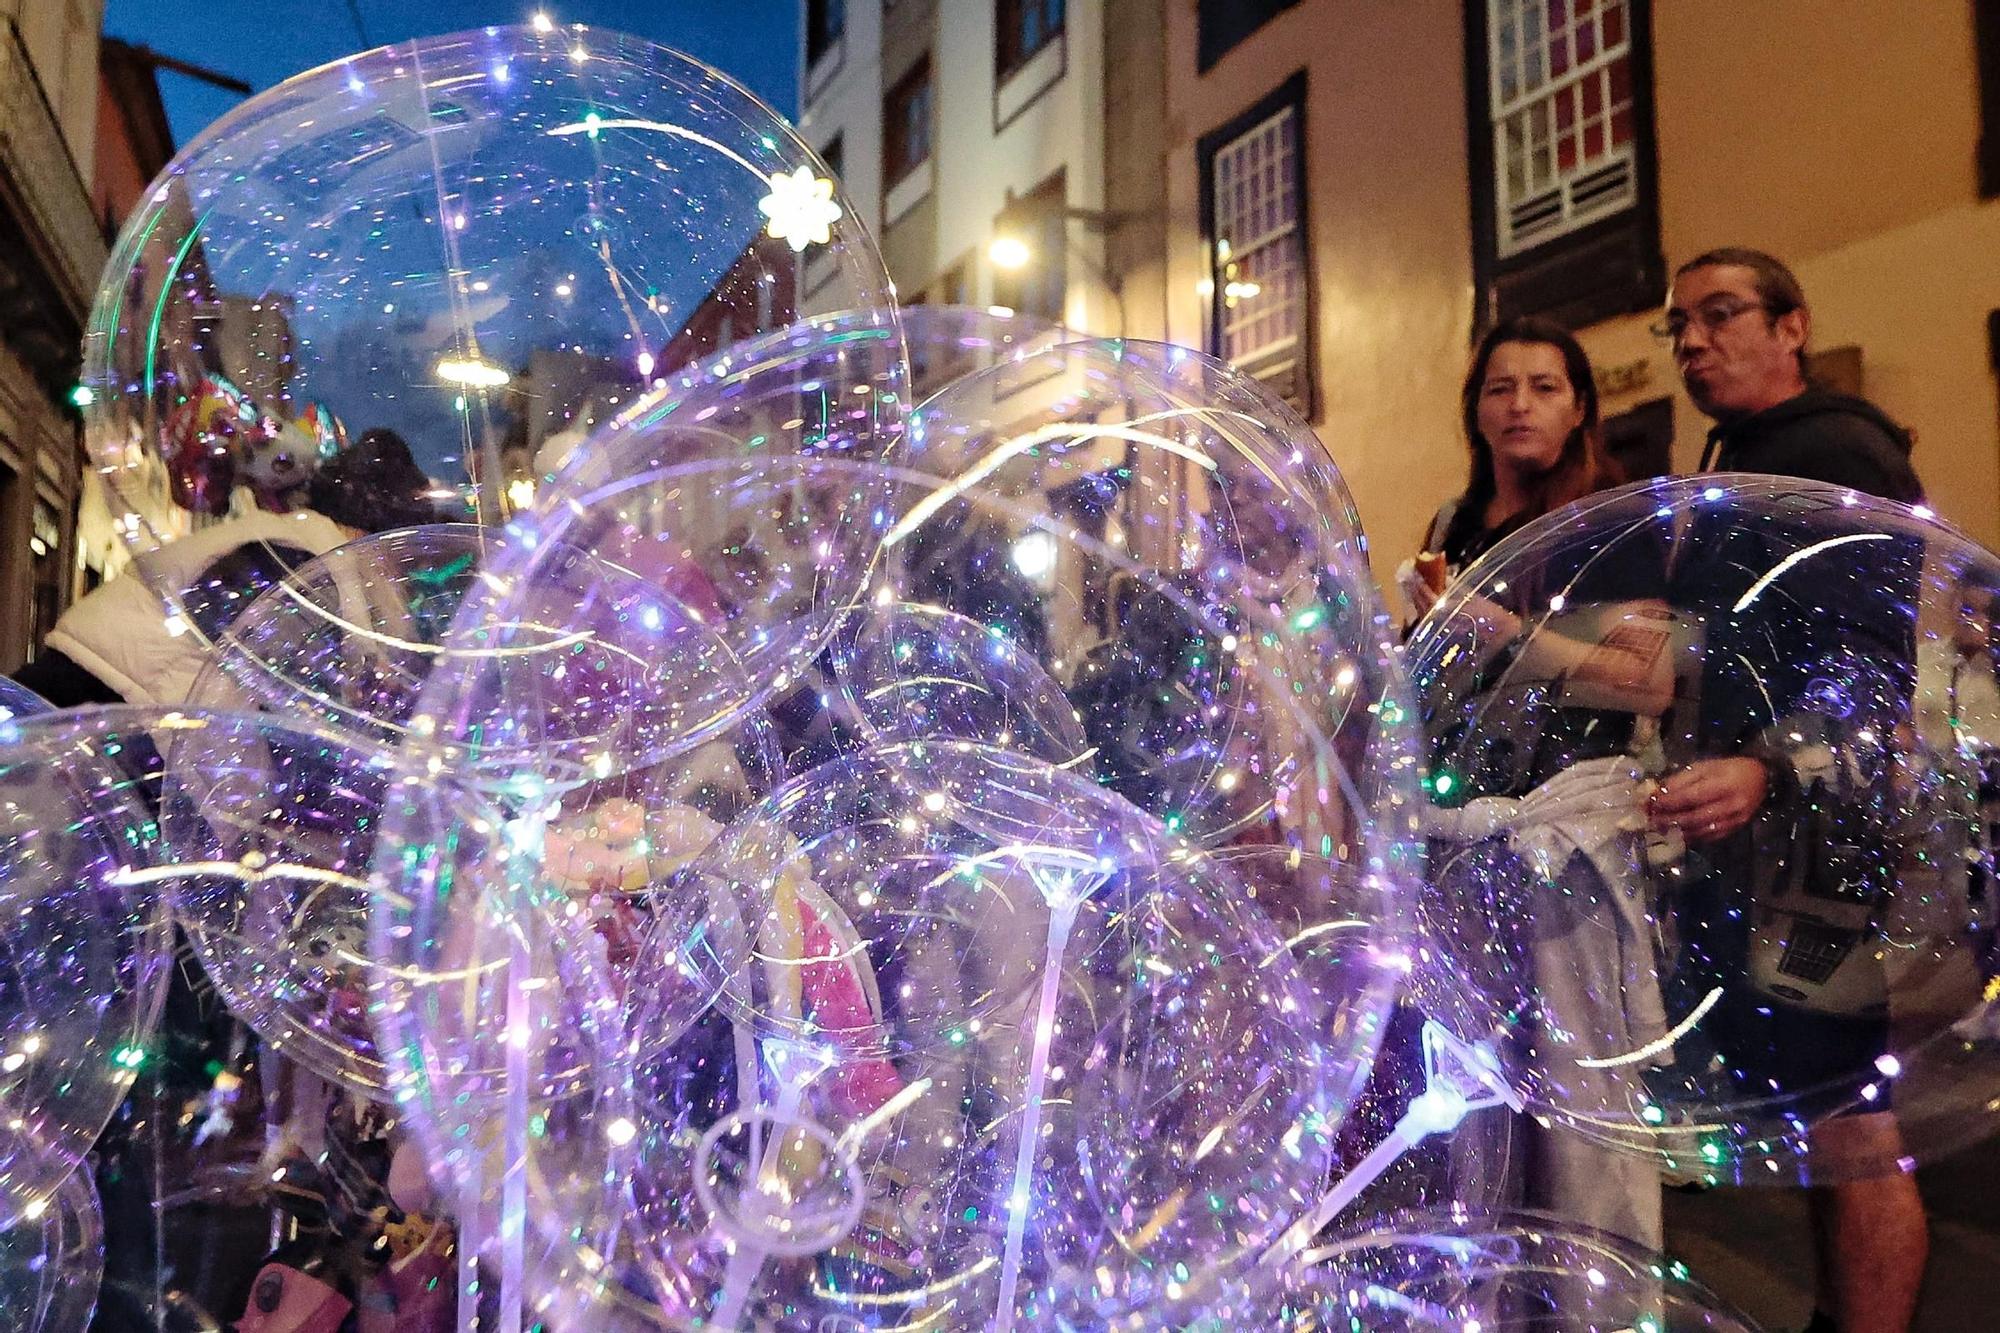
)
(1449, 1271)
(400, 287)
(780, 437)
(910, 672)
(747, 490)
(913, 937)
(1170, 543)
(1712, 835)
(83, 970)
(51, 1262)
(503, 997)
(270, 829)
(1006, 1052)
(1355, 962)
(303, 915)
(349, 638)
(594, 673)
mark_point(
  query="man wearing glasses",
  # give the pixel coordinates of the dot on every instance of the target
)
(1738, 324)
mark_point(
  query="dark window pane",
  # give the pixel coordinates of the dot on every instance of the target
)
(1259, 296)
(1221, 24)
(1022, 28)
(825, 21)
(906, 117)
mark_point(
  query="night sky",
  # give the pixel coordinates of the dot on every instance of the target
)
(263, 42)
(560, 261)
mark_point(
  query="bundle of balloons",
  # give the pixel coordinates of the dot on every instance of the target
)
(898, 818)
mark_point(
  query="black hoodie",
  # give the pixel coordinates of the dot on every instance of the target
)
(1820, 436)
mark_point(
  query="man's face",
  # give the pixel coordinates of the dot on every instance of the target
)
(1734, 357)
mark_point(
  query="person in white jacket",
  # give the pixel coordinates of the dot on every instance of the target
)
(142, 638)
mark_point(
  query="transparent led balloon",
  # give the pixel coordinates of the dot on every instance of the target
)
(1711, 841)
(745, 489)
(278, 871)
(910, 672)
(500, 997)
(401, 286)
(1449, 1271)
(18, 701)
(1354, 960)
(1005, 1053)
(1232, 573)
(351, 637)
(595, 671)
(1170, 544)
(83, 968)
(271, 830)
(51, 1263)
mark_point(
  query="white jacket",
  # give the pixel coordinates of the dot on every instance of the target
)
(128, 633)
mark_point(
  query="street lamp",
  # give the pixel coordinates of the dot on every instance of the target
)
(1009, 249)
(473, 372)
(1009, 252)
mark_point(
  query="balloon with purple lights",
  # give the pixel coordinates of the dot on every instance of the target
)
(85, 962)
(1713, 778)
(402, 287)
(939, 1019)
(1451, 1271)
(52, 1263)
(978, 1003)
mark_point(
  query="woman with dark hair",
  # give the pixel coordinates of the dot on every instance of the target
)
(1549, 734)
(1529, 404)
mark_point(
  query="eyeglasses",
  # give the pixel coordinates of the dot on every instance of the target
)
(1711, 316)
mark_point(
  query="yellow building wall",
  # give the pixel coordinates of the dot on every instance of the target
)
(1388, 240)
(1838, 134)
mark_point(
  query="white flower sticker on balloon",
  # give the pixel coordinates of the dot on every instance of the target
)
(801, 208)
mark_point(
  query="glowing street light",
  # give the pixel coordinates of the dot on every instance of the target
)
(472, 372)
(1009, 252)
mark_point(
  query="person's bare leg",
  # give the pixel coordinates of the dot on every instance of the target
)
(1871, 1234)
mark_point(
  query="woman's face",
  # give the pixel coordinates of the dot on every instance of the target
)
(1527, 408)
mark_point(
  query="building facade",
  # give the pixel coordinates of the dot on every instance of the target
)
(953, 122)
(51, 252)
(1337, 195)
(1355, 188)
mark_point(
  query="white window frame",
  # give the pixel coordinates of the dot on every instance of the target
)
(1554, 202)
(1234, 248)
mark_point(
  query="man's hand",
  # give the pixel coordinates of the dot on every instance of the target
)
(1710, 798)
